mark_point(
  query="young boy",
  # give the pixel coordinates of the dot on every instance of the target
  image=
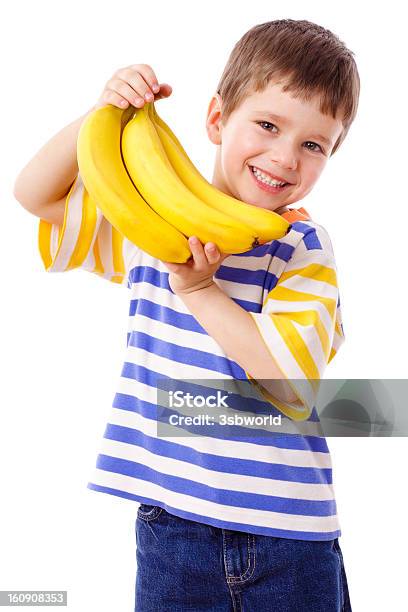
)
(226, 522)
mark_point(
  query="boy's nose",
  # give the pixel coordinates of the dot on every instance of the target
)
(284, 157)
(284, 162)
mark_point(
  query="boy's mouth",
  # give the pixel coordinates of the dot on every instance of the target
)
(265, 183)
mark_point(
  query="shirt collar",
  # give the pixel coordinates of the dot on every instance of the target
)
(296, 214)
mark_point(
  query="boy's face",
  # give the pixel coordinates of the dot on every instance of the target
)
(290, 146)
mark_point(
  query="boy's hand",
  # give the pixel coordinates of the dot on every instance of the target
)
(135, 85)
(197, 273)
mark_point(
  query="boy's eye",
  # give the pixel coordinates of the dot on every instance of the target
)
(265, 123)
(261, 123)
(315, 145)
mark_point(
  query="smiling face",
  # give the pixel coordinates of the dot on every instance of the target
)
(278, 135)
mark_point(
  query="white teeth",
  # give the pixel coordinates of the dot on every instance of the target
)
(266, 179)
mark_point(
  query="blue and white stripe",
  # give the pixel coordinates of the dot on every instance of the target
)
(279, 484)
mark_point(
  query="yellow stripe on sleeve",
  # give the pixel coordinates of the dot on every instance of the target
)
(300, 325)
(85, 240)
(74, 238)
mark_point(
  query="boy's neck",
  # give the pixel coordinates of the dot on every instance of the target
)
(281, 210)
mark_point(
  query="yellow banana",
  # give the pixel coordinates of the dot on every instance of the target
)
(266, 224)
(157, 181)
(108, 184)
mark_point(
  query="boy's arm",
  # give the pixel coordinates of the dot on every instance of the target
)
(43, 184)
(233, 328)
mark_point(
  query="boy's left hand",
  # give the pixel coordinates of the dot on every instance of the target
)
(197, 273)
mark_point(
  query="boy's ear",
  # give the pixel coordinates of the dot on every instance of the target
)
(213, 122)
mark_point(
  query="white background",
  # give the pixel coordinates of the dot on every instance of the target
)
(63, 336)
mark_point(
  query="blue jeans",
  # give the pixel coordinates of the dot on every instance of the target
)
(186, 566)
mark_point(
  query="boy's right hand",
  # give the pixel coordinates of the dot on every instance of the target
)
(132, 86)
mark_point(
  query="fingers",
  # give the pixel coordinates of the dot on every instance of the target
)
(140, 81)
(148, 75)
(197, 251)
(212, 253)
(203, 255)
(122, 92)
(165, 91)
(135, 85)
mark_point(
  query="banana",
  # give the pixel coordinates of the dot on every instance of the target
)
(157, 181)
(266, 224)
(108, 184)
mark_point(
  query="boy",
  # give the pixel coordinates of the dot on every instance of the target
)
(226, 523)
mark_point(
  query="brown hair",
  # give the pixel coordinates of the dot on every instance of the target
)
(312, 60)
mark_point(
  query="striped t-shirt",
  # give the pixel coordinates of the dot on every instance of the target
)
(280, 484)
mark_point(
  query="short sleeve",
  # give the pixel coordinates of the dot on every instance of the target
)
(301, 323)
(86, 240)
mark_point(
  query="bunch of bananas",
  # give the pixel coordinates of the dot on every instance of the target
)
(138, 174)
